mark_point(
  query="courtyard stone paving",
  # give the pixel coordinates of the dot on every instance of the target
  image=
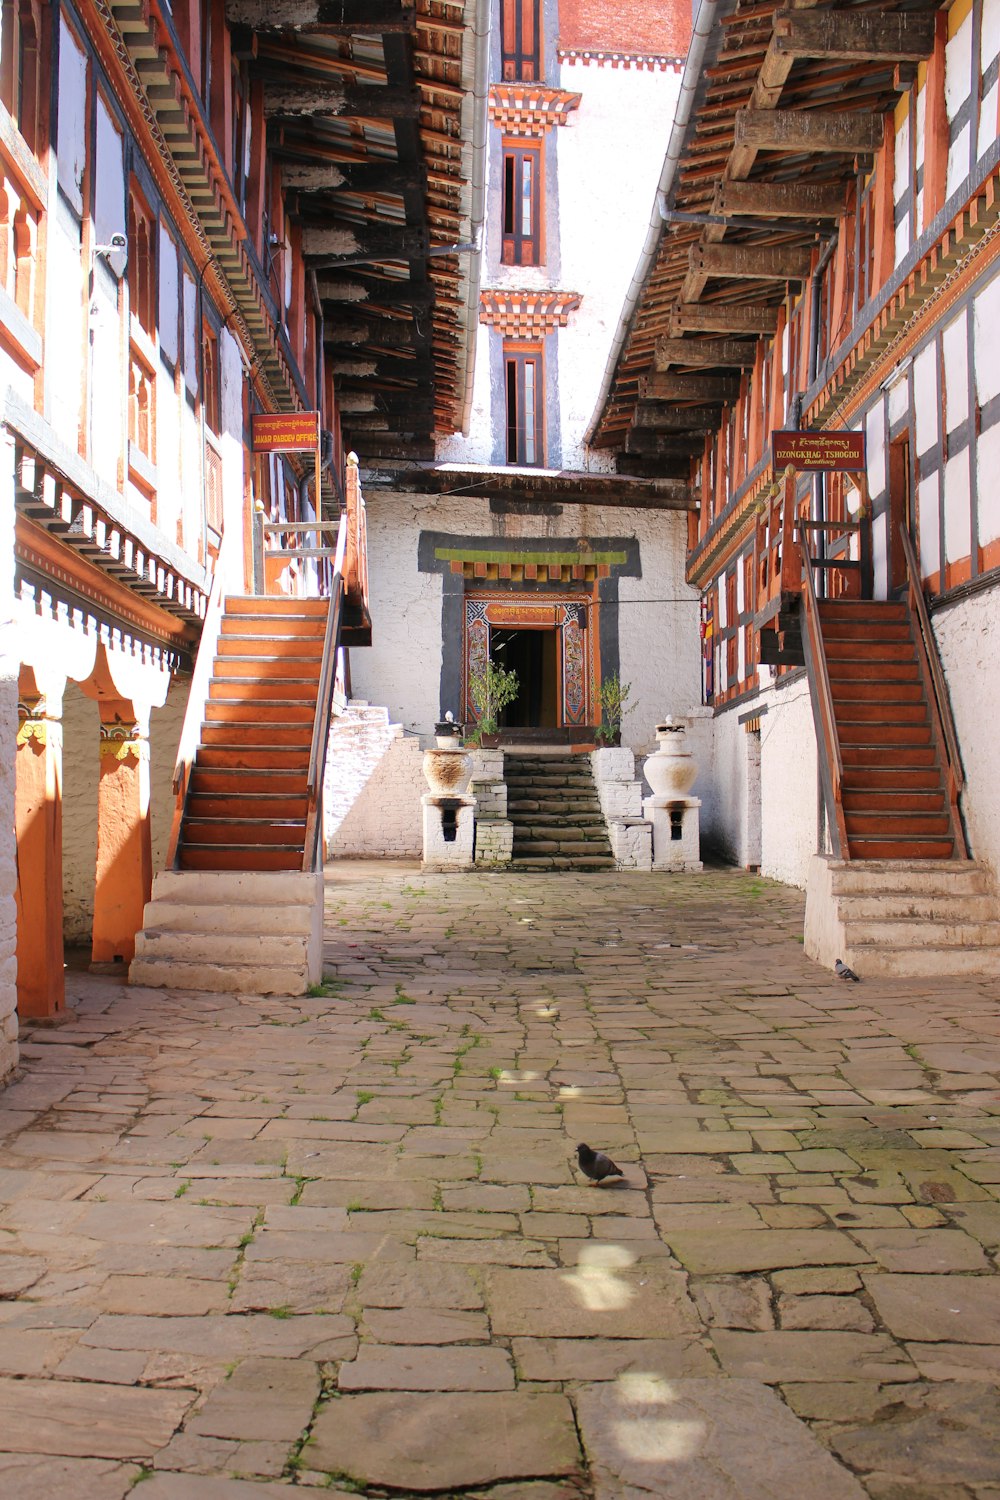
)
(248, 1245)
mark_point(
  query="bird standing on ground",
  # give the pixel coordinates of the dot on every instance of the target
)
(843, 972)
(595, 1165)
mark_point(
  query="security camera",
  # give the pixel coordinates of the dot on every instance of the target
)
(117, 245)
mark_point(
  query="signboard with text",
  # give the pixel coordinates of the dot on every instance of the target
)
(287, 432)
(832, 451)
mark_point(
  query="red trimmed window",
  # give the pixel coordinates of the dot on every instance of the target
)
(142, 237)
(522, 206)
(521, 40)
(524, 388)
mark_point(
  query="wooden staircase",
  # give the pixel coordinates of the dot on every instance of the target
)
(894, 789)
(247, 803)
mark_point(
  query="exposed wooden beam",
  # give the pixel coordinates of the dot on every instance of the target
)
(660, 470)
(323, 17)
(375, 331)
(333, 290)
(797, 131)
(330, 247)
(314, 177)
(663, 445)
(779, 200)
(872, 36)
(699, 420)
(688, 388)
(286, 98)
(707, 353)
(744, 263)
(566, 486)
(718, 317)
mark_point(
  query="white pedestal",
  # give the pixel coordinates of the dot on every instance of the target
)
(449, 827)
(676, 839)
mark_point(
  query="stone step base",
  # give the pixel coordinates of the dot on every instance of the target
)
(575, 848)
(236, 931)
(551, 862)
(573, 807)
(233, 979)
(873, 962)
(903, 918)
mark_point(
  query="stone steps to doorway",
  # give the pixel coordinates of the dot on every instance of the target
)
(553, 804)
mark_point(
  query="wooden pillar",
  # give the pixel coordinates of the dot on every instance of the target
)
(41, 981)
(124, 876)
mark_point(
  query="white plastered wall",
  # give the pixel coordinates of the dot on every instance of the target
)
(658, 641)
(164, 736)
(968, 637)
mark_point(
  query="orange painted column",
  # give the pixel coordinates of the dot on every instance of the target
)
(124, 876)
(41, 979)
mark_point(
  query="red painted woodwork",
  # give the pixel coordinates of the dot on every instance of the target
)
(247, 804)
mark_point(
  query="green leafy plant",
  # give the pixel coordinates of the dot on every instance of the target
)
(614, 696)
(491, 688)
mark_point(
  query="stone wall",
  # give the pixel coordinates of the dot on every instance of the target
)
(374, 782)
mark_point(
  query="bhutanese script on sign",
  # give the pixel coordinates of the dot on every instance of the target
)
(844, 451)
(290, 432)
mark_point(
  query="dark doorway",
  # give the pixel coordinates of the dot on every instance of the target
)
(532, 655)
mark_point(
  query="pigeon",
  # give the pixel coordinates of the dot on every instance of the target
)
(843, 972)
(595, 1165)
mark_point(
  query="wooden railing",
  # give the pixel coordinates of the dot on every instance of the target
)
(776, 566)
(831, 760)
(936, 689)
(847, 577)
(324, 700)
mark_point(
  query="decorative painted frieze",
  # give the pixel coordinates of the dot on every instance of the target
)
(527, 314)
(529, 108)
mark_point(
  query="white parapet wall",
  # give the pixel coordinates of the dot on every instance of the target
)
(620, 794)
(374, 783)
(968, 637)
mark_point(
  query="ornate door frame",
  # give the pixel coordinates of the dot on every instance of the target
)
(574, 614)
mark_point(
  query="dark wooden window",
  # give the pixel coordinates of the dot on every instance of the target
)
(524, 382)
(241, 133)
(521, 40)
(212, 396)
(19, 65)
(732, 631)
(522, 205)
(142, 238)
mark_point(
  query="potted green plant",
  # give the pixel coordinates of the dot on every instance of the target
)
(491, 688)
(614, 696)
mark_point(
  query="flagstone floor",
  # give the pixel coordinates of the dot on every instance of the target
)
(248, 1245)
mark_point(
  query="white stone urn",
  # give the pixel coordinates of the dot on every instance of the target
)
(671, 771)
(448, 771)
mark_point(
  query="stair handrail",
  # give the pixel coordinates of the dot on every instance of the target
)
(823, 696)
(324, 697)
(194, 711)
(938, 683)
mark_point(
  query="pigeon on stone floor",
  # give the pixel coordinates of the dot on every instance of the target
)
(595, 1165)
(843, 972)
